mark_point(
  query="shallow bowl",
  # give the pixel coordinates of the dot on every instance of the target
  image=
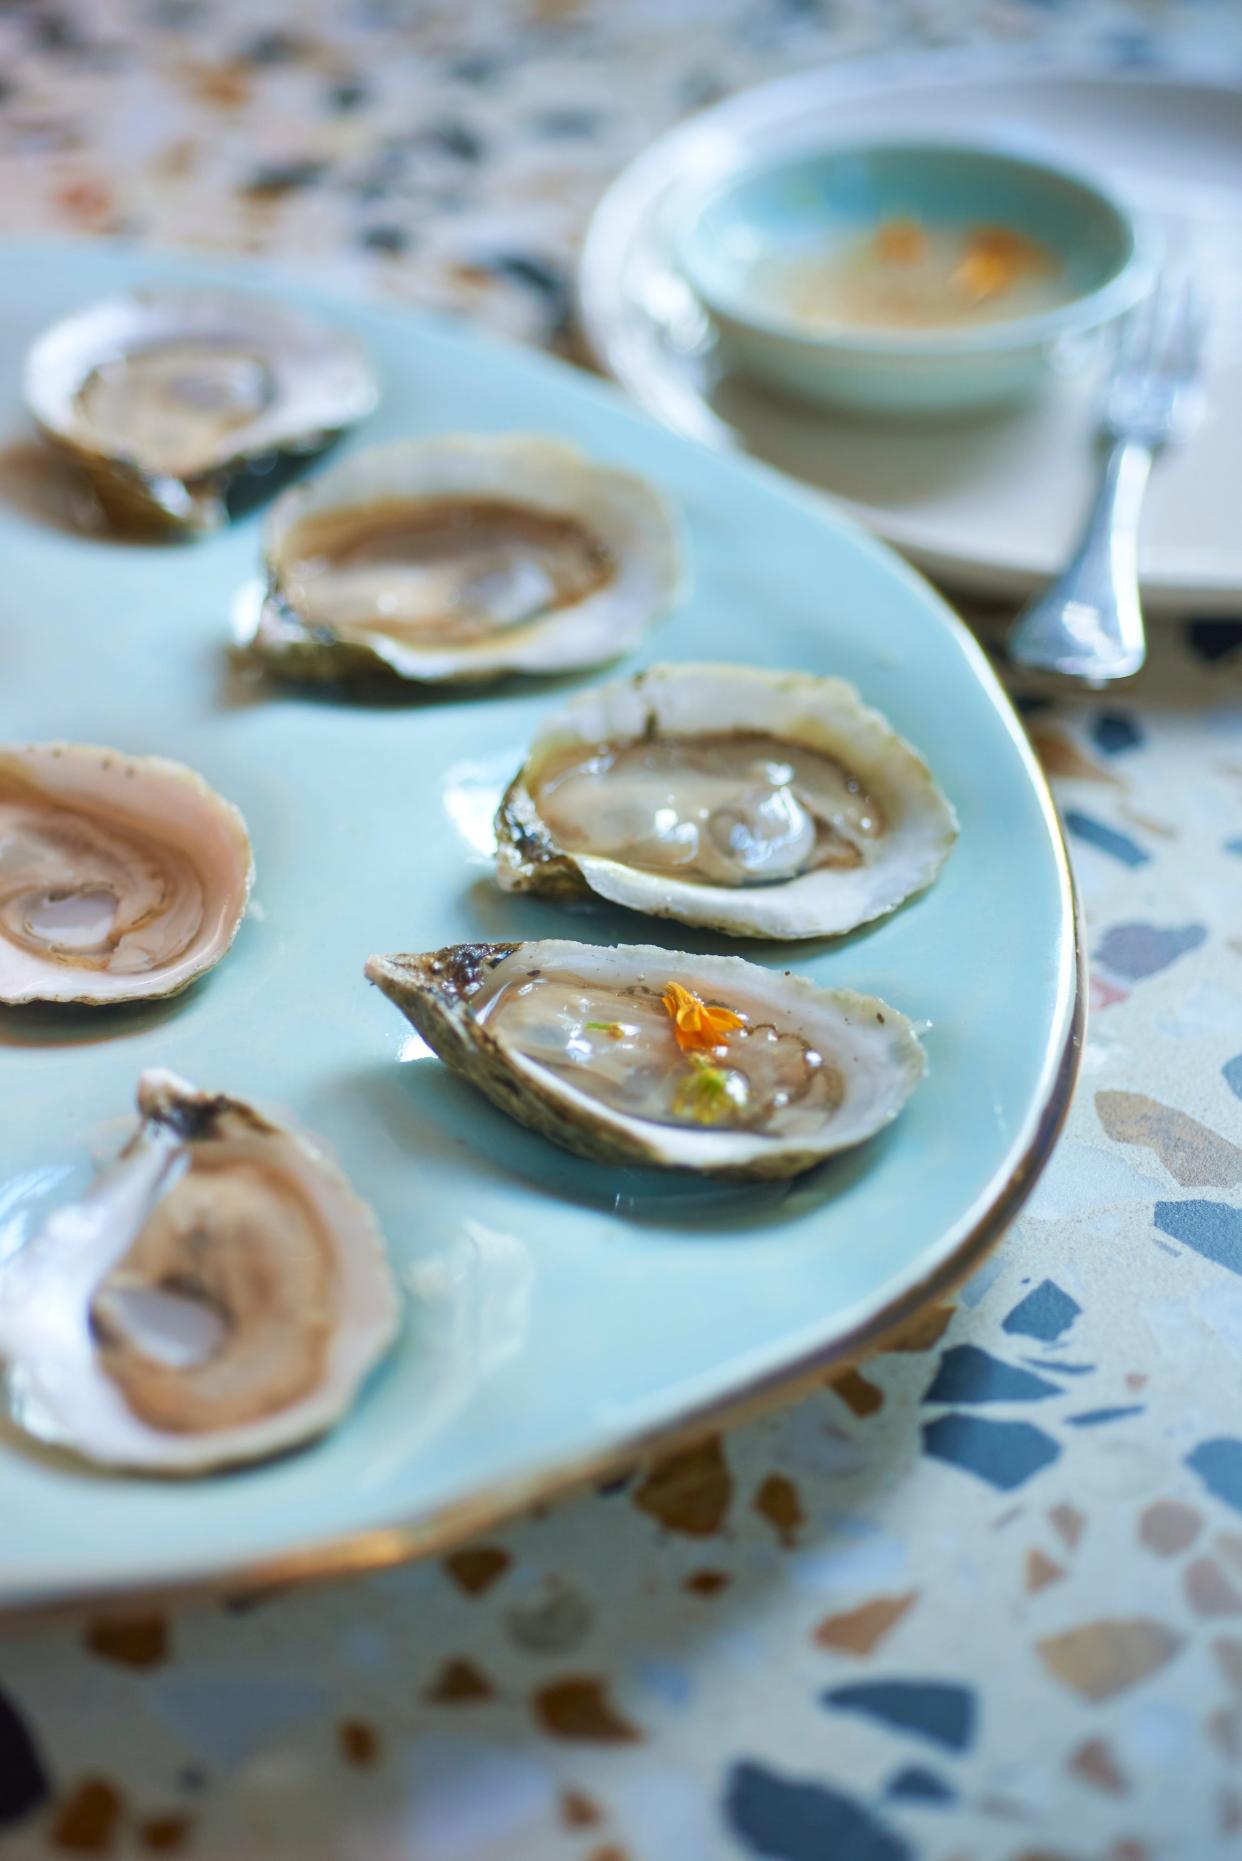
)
(737, 236)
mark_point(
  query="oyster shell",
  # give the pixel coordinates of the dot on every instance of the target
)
(166, 397)
(122, 878)
(633, 1054)
(462, 558)
(218, 1295)
(765, 804)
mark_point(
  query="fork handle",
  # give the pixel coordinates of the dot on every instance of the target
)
(1089, 625)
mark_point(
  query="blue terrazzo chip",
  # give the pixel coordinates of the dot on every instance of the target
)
(939, 1710)
(1095, 1418)
(1106, 839)
(1005, 1454)
(1043, 1314)
(1218, 1464)
(968, 1374)
(794, 1821)
(1213, 639)
(1213, 1229)
(1139, 950)
(916, 1785)
(23, 1780)
(1115, 731)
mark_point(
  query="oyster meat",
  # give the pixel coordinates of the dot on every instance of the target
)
(167, 397)
(219, 1295)
(122, 878)
(461, 558)
(633, 1054)
(765, 804)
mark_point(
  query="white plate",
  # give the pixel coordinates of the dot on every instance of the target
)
(989, 503)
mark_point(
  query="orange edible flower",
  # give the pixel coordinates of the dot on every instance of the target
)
(901, 241)
(696, 1027)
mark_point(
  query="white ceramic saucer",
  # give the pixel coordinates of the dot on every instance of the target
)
(989, 503)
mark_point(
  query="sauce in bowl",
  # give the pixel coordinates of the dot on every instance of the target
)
(908, 274)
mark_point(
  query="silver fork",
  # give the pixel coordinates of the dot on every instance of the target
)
(1088, 625)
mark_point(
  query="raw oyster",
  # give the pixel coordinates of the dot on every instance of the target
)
(166, 397)
(122, 878)
(765, 804)
(218, 1295)
(634, 1054)
(462, 558)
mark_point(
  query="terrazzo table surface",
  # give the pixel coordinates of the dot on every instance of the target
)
(981, 1598)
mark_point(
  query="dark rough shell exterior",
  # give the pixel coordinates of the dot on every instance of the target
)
(525, 847)
(311, 655)
(148, 503)
(434, 992)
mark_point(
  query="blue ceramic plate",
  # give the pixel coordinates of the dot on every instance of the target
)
(558, 1314)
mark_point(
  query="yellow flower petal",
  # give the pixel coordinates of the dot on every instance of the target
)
(697, 1027)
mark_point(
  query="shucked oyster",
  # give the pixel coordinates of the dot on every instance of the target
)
(461, 558)
(218, 1295)
(122, 877)
(165, 397)
(766, 804)
(634, 1054)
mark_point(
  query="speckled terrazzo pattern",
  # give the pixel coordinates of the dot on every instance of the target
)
(980, 1597)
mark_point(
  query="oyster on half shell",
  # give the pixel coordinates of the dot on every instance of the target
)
(122, 878)
(218, 1295)
(166, 397)
(463, 558)
(765, 804)
(633, 1054)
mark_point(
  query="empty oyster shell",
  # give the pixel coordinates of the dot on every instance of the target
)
(218, 1295)
(633, 1054)
(122, 878)
(166, 397)
(462, 558)
(766, 804)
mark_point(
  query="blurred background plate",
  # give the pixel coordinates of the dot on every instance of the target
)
(990, 503)
(559, 1313)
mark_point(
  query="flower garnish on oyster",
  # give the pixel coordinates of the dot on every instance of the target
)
(463, 558)
(701, 1030)
(168, 397)
(697, 1026)
(724, 1068)
(218, 1295)
(672, 1058)
(122, 878)
(766, 804)
(710, 1093)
